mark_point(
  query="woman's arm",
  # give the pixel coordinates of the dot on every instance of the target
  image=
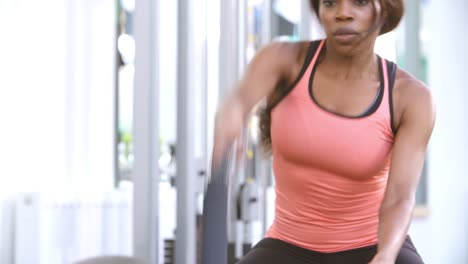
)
(414, 131)
(269, 66)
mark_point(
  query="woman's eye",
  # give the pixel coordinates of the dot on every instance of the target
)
(328, 3)
(361, 2)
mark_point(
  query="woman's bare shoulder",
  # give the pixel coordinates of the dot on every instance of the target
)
(409, 88)
(411, 95)
(283, 53)
(286, 57)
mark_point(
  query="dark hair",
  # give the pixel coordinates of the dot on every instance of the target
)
(392, 11)
(265, 115)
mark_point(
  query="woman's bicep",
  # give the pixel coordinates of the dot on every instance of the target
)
(411, 142)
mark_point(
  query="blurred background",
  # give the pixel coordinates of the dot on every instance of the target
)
(106, 111)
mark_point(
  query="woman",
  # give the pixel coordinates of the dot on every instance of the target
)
(348, 132)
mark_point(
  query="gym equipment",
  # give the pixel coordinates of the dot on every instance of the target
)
(215, 211)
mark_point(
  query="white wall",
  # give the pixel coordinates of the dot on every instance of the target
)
(56, 99)
(56, 92)
(443, 236)
(32, 106)
(90, 64)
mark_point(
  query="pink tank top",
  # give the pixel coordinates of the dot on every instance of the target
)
(330, 170)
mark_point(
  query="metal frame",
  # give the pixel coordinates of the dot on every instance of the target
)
(146, 133)
(266, 23)
(241, 36)
(229, 57)
(412, 41)
(189, 83)
(228, 47)
(306, 20)
(412, 57)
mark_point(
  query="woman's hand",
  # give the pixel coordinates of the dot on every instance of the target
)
(379, 259)
(229, 124)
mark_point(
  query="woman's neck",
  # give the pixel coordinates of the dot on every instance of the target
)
(360, 63)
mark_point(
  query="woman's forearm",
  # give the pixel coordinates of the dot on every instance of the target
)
(394, 222)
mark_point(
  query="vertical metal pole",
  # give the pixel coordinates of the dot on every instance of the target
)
(186, 180)
(203, 89)
(213, 71)
(413, 64)
(146, 132)
(242, 35)
(117, 176)
(412, 40)
(228, 77)
(305, 25)
(263, 164)
(228, 73)
(266, 22)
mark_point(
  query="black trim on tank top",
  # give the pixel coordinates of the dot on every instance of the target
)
(373, 107)
(308, 58)
(392, 68)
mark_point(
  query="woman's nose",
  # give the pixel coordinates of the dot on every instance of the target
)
(344, 11)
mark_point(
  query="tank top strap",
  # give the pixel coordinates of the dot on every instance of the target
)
(301, 86)
(388, 71)
(391, 73)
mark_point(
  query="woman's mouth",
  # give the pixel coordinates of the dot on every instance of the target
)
(345, 35)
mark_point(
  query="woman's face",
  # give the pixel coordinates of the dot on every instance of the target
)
(348, 23)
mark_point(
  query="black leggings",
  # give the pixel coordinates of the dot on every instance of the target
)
(273, 251)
